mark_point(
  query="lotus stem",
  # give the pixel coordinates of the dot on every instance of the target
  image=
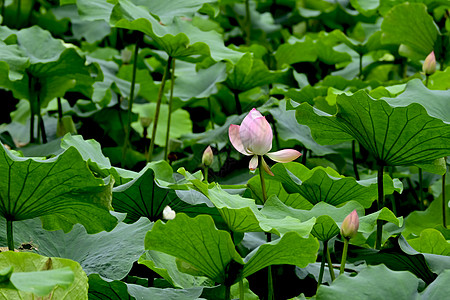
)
(427, 79)
(238, 103)
(206, 174)
(330, 264)
(158, 106)
(344, 256)
(444, 204)
(169, 117)
(212, 127)
(355, 166)
(227, 292)
(322, 263)
(248, 23)
(269, 283)
(421, 189)
(305, 151)
(9, 234)
(126, 141)
(19, 4)
(261, 176)
(360, 75)
(380, 203)
(41, 124)
(241, 289)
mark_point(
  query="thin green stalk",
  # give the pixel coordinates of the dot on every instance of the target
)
(212, 127)
(344, 256)
(355, 166)
(126, 141)
(427, 77)
(169, 117)
(248, 23)
(261, 176)
(322, 263)
(206, 174)
(19, 4)
(360, 66)
(227, 292)
(305, 152)
(41, 125)
(421, 189)
(158, 106)
(238, 103)
(60, 112)
(380, 203)
(9, 234)
(241, 289)
(444, 204)
(330, 264)
(269, 283)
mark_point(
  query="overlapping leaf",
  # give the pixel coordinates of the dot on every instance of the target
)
(62, 191)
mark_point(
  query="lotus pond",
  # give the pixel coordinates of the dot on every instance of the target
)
(224, 149)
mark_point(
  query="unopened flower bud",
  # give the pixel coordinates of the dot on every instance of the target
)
(350, 225)
(429, 65)
(207, 157)
(145, 121)
(168, 213)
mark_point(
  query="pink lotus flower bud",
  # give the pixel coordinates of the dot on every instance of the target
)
(350, 225)
(429, 65)
(254, 137)
(207, 157)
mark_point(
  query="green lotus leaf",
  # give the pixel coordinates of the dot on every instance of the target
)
(440, 80)
(148, 89)
(92, 10)
(289, 129)
(91, 152)
(250, 72)
(166, 266)
(242, 215)
(431, 241)
(418, 37)
(100, 289)
(180, 39)
(417, 221)
(435, 102)
(40, 275)
(439, 288)
(62, 191)
(180, 123)
(274, 187)
(200, 84)
(366, 7)
(94, 252)
(196, 241)
(291, 249)
(373, 279)
(326, 185)
(325, 228)
(394, 135)
(14, 63)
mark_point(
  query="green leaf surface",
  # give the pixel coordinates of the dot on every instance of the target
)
(419, 36)
(100, 289)
(373, 279)
(180, 123)
(439, 288)
(431, 241)
(196, 241)
(290, 249)
(62, 191)
(14, 63)
(42, 275)
(166, 266)
(434, 101)
(326, 185)
(394, 135)
(417, 221)
(140, 292)
(242, 215)
(180, 39)
(94, 252)
(201, 84)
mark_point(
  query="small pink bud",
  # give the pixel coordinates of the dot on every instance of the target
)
(207, 157)
(350, 225)
(429, 65)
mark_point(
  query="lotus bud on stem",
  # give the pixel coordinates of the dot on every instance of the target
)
(429, 66)
(207, 160)
(349, 229)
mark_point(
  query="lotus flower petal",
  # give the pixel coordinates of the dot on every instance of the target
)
(284, 156)
(235, 138)
(266, 167)
(253, 163)
(429, 65)
(256, 136)
(350, 225)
